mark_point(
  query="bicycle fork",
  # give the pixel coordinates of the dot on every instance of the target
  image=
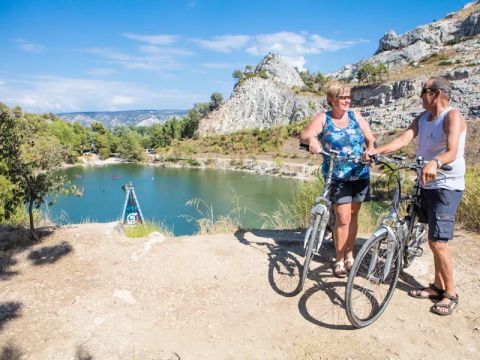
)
(319, 216)
(390, 252)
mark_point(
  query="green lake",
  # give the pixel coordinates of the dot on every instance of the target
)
(163, 192)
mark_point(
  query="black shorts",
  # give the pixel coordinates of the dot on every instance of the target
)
(438, 209)
(346, 192)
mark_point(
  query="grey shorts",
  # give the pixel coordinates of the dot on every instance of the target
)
(346, 192)
(438, 209)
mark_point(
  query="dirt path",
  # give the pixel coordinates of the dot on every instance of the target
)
(88, 292)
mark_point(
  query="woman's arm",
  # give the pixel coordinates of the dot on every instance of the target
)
(309, 135)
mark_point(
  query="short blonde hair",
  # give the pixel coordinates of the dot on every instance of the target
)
(336, 88)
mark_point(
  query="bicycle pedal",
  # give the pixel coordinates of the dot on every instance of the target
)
(374, 279)
(415, 251)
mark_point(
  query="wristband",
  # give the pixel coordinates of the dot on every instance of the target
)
(439, 163)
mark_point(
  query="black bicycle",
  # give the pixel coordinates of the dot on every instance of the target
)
(393, 246)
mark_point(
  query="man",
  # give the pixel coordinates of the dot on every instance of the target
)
(441, 132)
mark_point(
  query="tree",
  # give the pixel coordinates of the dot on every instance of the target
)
(238, 74)
(216, 99)
(30, 161)
(130, 147)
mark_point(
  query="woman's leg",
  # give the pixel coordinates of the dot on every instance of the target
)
(352, 230)
(343, 215)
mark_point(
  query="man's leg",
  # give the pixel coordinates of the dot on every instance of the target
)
(443, 269)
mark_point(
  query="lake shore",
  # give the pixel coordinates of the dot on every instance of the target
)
(302, 170)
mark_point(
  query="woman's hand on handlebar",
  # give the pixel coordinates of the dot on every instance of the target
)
(314, 146)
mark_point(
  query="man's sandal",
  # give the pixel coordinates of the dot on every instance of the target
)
(339, 270)
(417, 293)
(348, 264)
(450, 306)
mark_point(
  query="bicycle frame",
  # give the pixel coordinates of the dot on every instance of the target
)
(398, 231)
(323, 206)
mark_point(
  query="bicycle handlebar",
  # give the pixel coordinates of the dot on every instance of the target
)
(400, 162)
(336, 155)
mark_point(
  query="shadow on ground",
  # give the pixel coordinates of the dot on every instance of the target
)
(10, 352)
(49, 254)
(14, 240)
(9, 311)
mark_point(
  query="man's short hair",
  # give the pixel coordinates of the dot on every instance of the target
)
(442, 84)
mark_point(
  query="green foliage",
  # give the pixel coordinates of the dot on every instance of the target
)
(314, 82)
(30, 157)
(370, 73)
(129, 147)
(467, 214)
(142, 230)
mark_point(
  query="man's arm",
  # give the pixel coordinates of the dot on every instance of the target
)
(403, 140)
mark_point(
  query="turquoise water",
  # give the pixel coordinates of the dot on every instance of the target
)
(163, 192)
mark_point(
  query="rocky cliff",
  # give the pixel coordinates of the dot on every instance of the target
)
(263, 101)
(448, 47)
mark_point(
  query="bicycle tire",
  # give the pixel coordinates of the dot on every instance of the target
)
(369, 270)
(312, 239)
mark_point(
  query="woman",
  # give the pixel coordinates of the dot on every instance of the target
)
(345, 131)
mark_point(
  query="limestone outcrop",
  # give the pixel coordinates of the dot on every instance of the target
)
(259, 102)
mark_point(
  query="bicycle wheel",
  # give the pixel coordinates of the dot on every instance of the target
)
(372, 280)
(312, 234)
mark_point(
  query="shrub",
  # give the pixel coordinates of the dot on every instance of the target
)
(467, 213)
(142, 230)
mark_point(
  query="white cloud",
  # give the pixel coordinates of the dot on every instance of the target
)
(29, 46)
(153, 39)
(153, 59)
(101, 72)
(294, 46)
(220, 65)
(59, 94)
(225, 43)
(156, 50)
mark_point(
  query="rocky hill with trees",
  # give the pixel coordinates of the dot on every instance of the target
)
(385, 86)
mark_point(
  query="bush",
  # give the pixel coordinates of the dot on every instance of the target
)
(467, 213)
(142, 230)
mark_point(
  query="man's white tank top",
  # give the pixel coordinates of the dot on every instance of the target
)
(432, 141)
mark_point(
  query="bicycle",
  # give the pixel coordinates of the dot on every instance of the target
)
(392, 247)
(322, 216)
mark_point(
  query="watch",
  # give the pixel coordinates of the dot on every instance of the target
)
(439, 163)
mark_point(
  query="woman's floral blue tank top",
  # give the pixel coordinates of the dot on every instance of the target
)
(347, 141)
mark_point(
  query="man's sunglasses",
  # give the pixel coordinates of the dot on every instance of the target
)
(428, 91)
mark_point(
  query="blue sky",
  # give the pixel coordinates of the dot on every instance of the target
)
(102, 55)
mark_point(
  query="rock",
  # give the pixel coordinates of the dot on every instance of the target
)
(125, 296)
(279, 70)
(260, 103)
(395, 50)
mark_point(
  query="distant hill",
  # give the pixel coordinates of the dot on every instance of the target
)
(126, 118)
